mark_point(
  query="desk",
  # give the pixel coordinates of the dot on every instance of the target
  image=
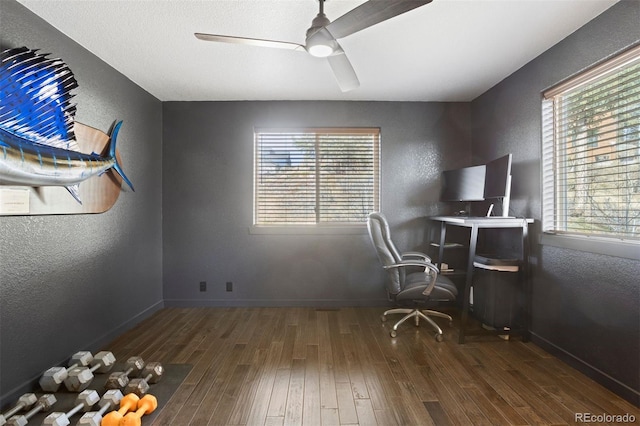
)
(476, 223)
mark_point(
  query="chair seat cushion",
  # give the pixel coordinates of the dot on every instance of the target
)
(417, 282)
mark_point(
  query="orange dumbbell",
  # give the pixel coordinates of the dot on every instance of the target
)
(128, 403)
(146, 405)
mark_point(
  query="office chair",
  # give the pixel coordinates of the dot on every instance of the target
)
(412, 279)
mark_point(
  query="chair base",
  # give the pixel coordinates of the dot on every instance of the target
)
(417, 314)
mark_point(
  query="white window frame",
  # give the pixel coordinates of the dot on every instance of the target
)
(554, 152)
(315, 226)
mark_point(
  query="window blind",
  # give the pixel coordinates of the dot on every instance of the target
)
(591, 151)
(316, 176)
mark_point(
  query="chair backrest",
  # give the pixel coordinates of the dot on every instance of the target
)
(378, 228)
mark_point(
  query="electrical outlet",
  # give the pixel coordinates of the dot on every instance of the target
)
(229, 286)
(203, 286)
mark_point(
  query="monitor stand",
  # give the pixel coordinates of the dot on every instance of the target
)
(507, 198)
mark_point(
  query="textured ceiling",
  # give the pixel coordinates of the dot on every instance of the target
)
(449, 50)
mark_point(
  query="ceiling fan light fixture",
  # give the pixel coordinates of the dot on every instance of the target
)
(321, 44)
(320, 50)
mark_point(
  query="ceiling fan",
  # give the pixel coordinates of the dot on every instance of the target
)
(321, 38)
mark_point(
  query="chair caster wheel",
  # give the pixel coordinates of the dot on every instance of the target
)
(383, 318)
(393, 333)
(439, 337)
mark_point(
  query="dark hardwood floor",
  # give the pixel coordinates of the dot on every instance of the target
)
(306, 366)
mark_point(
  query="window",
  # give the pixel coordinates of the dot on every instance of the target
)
(591, 152)
(316, 176)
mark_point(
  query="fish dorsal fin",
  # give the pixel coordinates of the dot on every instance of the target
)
(35, 95)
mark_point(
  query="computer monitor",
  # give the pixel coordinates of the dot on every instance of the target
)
(466, 184)
(498, 181)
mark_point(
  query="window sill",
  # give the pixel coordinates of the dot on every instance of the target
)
(599, 245)
(308, 230)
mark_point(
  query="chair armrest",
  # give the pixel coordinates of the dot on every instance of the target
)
(419, 255)
(425, 265)
(418, 263)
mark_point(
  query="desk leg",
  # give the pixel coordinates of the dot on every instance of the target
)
(473, 240)
(527, 280)
(443, 234)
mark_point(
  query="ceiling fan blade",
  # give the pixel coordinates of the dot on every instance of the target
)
(343, 71)
(371, 13)
(250, 41)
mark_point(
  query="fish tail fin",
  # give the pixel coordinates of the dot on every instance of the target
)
(112, 154)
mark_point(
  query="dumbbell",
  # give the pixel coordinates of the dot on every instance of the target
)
(45, 402)
(110, 399)
(53, 377)
(146, 405)
(24, 403)
(119, 380)
(85, 400)
(128, 403)
(152, 373)
(79, 378)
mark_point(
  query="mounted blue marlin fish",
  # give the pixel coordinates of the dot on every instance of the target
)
(37, 140)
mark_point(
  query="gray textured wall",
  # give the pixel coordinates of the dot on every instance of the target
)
(75, 281)
(586, 307)
(207, 200)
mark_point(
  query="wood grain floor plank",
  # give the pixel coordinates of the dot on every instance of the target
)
(230, 394)
(385, 417)
(241, 409)
(245, 333)
(311, 332)
(347, 317)
(174, 405)
(414, 408)
(278, 401)
(364, 410)
(346, 405)
(300, 342)
(366, 337)
(312, 404)
(463, 399)
(295, 394)
(416, 370)
(491, 394)
(437, 413)
(514, 390)
(399, 410)
(255, 341)
(354, 368)
(328, 398)
(389, 385)
(340, 371)
(329, 416)
(537, 399)
(274, 421)
(486, 407)
(446, 398)
(219, 378)
(258, 412)
(286, 357)
(375, 388)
